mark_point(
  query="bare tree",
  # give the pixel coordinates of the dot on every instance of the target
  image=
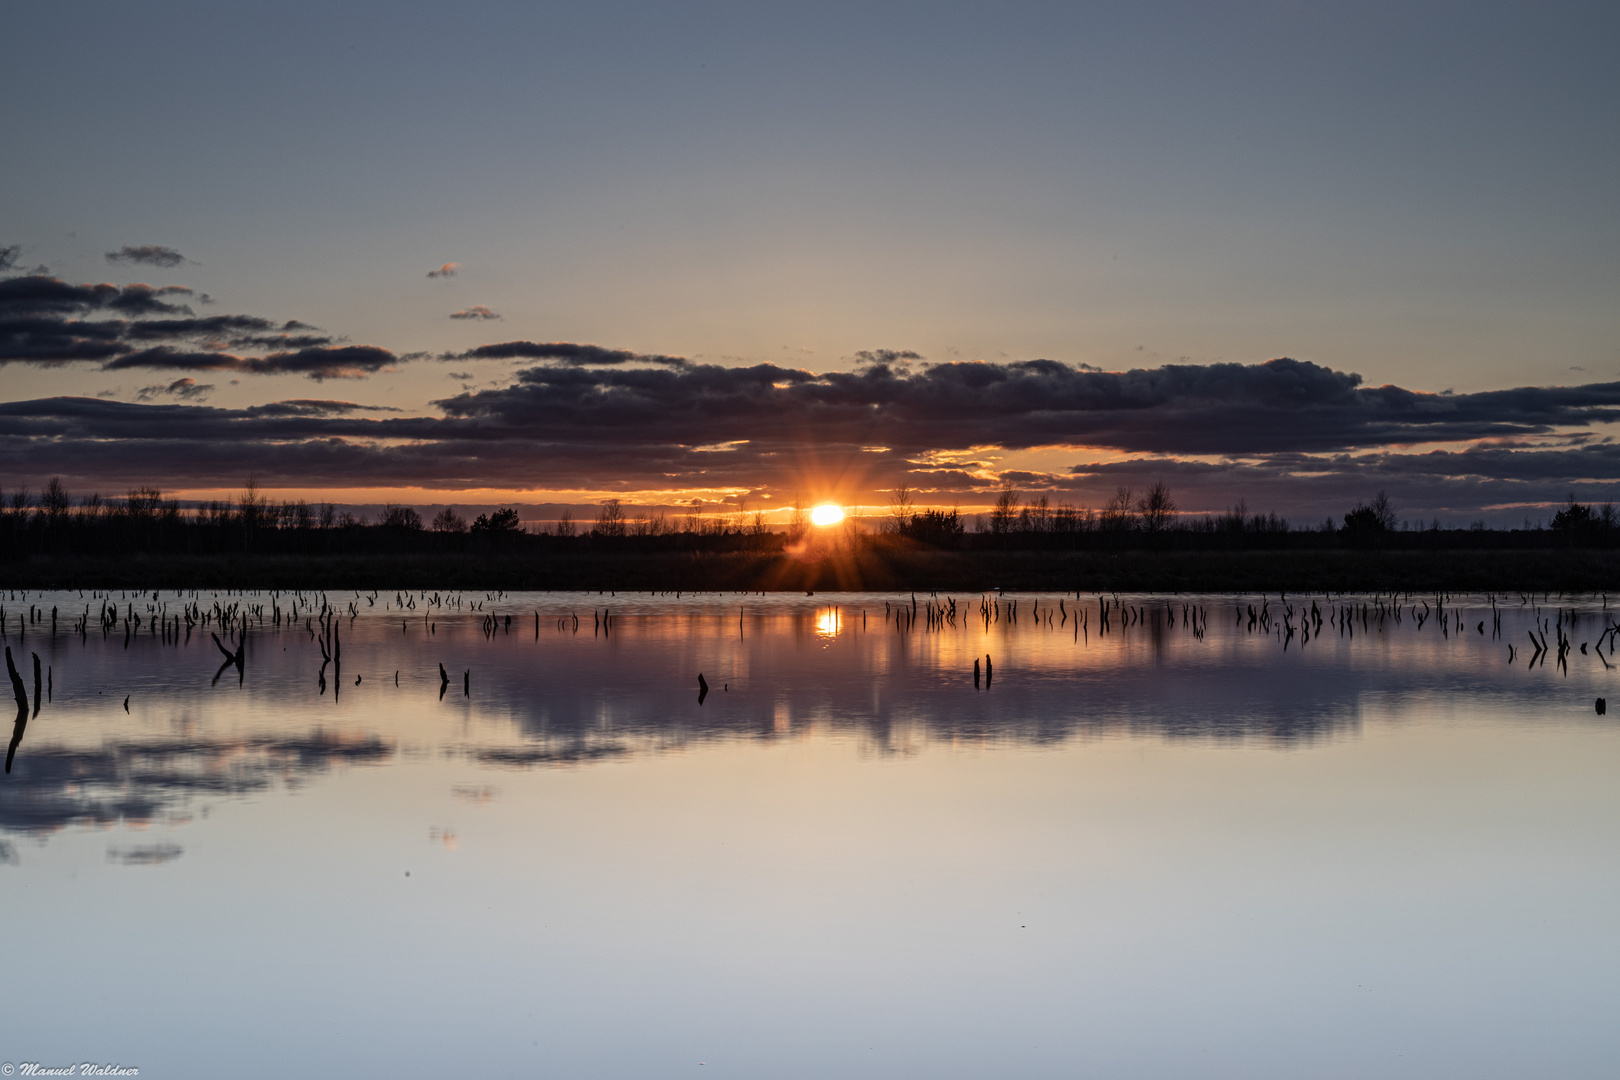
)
(252, 507)
(54, 501)
(1367, 522)
(448, 521)
(610, 519)
(902, 507)
(1005, 511)
(1156, 508)
(1236, 518)
(1117, 515)
(19, 502)
(1383, 511)
(143, 503)
(92, 507)
(1068, 518)
(400, 517)
(565, 524)
(1037, 516)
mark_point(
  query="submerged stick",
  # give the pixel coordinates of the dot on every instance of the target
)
(22, 709)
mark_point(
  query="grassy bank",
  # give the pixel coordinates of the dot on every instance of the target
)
(1569, 570)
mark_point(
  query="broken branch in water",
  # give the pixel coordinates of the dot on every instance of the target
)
(22, 709)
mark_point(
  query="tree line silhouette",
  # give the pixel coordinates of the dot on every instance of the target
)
(55, 522)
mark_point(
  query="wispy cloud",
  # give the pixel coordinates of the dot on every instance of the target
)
(448, 270)
(187, 389)
(147, 254)
(476, 311)
(314, 407)
(566, 351)
(336, 362)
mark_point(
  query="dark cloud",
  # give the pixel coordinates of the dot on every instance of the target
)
(228, 331)
(148, 254)
(50, 322)
(42, 321)
(565, 351)
(1229, 409)
(313, 407)
(336, 362)
(187, 389)
(8, 261)
(448, 270)
(773, 429)
(476, 311)
(885, 358)
(50, 341)
(593, 417)
(38, 294)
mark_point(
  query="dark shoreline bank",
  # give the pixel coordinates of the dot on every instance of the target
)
(1568, 570)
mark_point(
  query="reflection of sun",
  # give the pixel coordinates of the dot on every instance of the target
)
(827, 514)
(827, 623)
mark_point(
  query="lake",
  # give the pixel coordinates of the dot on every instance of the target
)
(1332, 837)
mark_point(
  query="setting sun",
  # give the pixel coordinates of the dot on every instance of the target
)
(827, 514)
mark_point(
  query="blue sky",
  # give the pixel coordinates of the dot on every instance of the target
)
(1421, 194)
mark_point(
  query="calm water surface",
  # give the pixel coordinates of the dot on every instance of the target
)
(1181, 847)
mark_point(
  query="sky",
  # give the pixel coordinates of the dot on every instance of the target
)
(548, 254)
